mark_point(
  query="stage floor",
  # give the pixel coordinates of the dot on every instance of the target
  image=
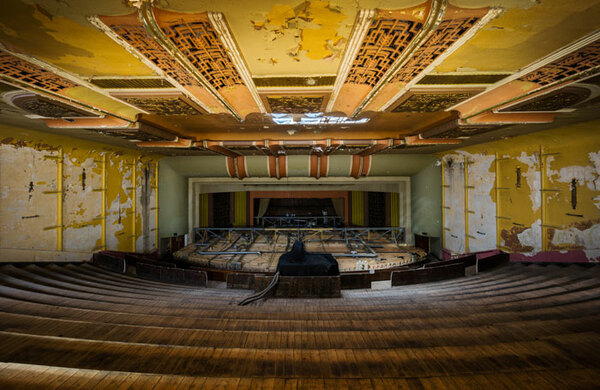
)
(236, 250)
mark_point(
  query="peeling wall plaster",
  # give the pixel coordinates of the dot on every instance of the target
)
(29, 203)
(532, 175)
(24, 208)
(482, 207)
(532, 237)
(454, 200)
(569, 217)
(482, 220)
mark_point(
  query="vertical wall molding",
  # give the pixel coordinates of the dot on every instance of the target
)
(59, 198)
(102, 191)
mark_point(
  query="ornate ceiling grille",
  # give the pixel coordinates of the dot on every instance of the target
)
(383, 44)
(201, 45)
(31, 74)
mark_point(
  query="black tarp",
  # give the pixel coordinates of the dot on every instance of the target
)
(299, 262)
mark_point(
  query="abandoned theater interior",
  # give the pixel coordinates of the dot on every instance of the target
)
(299, 194)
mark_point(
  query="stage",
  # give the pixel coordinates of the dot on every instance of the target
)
(259, 249)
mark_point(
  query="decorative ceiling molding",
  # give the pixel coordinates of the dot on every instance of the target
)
(556, 100)
(160, 102)
(377, 146)
(23, 73)
(306, 82)
(459, 26)
(147, 17)
(298, 103)
(460, 131)
(220, 25)
(417, 140)
(569, 64)
(196, 44)
(469, 79)
(433, 99)
(107, 122)
(176, 143)
(131, 83)
(41, 107)
(436, 10)
(133, 37)
(41, 78)
(139, 133)
(44, 72)
(360, 165)
(218, 148)
(359, 31)
(488, 117)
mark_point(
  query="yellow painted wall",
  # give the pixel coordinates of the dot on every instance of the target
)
(394, 209)
(537, 213)
(97, 210)
(239, 207)
(358, 208)
(204, 210)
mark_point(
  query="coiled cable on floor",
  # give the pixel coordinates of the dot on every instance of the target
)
(261, 294)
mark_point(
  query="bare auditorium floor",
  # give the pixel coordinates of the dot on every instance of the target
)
(517, 327)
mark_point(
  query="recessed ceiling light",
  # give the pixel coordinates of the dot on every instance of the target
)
(292, 131)
(311, 81)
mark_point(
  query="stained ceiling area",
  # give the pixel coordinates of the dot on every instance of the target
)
(289, 77)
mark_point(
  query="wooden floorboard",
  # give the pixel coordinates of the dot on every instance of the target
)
(81, 327)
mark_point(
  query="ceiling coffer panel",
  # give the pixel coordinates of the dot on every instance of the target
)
(13, 68)
(459, 131)
(31, 76)
(195, 37)
(131, 83)
(296, 104)
(553, 101)
(161, 102)
(138, 133)
(582, 60)
(458, 79)
(441, 42)
(206, 42)
(386, 39)
(388, 34)
(431, 101)
(42, 107)
(568, 65)
(128, 31)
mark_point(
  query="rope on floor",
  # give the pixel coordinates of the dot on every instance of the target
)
(261, 294)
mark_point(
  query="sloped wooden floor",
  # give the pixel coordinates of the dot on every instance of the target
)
(518, 327)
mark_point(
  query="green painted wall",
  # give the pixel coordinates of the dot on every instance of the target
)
(426, 203)
(173, 200)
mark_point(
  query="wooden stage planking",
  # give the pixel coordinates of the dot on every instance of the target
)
(82, 327)
(388, 254)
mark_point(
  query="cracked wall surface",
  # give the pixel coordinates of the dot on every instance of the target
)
(29, 202)
(536, 195)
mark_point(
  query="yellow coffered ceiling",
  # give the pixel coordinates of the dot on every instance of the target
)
(402, 75)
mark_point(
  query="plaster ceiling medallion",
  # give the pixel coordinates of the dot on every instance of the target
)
(38, 107)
